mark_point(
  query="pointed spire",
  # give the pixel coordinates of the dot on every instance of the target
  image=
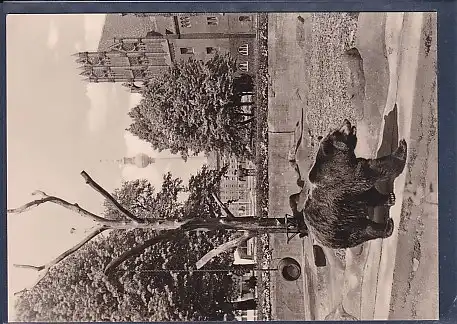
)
(76, 54)
(85, 73)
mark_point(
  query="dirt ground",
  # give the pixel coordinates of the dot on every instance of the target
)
(388, 86)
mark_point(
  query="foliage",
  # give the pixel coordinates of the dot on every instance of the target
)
(201, 185)
(77, 290)
(139, 197)
(194, 107)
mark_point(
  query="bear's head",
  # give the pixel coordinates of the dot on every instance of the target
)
(340, 140)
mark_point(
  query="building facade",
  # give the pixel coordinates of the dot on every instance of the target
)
(236, 187)
(135, 48)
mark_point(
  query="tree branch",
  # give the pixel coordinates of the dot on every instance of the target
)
(44, 269)
(110, 198)
(59, 201)
(28, 266)
(224, 208)
(224, 247)
(153, 224)
(163, 237)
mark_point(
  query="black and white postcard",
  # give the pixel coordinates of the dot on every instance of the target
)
(222, 166)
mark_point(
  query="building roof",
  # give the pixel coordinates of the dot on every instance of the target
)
(125, 26)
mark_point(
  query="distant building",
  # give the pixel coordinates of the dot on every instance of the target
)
(240, 191)
(246, 291)
(247, 315)
(246, 253)
(136, 47)
(236, 187)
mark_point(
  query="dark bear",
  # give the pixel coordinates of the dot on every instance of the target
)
(343, 190)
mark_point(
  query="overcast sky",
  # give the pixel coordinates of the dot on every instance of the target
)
(58, 126)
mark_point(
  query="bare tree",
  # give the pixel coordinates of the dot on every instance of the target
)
(167, 229)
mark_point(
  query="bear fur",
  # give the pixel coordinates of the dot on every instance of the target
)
(343, 191)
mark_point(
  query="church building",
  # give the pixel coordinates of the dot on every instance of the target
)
(136, 47)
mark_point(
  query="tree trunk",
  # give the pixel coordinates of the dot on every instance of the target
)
(167, 229)
(245, 114)
(243, 83)
(248, 304)
(245, 122)
(244, 267)
(248, 103)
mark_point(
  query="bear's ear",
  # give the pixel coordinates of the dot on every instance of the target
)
(327, 148)
(339, 145)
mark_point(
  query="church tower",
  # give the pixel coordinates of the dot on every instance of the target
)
(131, 61)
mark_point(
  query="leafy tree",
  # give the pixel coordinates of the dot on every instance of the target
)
(77, 289)
(200, 188)
(195, 107)
(140, 198)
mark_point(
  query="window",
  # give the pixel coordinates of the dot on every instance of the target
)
(243, 49)
(142, 47)
(184, 22)
(106, 61)
(134, 60)
(129, 47)
(94, 60)
(100, 73)
(244, 18)
(244, 66)
(187, 50)
(211, 50)
(212, 21)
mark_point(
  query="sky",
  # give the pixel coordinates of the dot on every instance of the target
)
(57, 126)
